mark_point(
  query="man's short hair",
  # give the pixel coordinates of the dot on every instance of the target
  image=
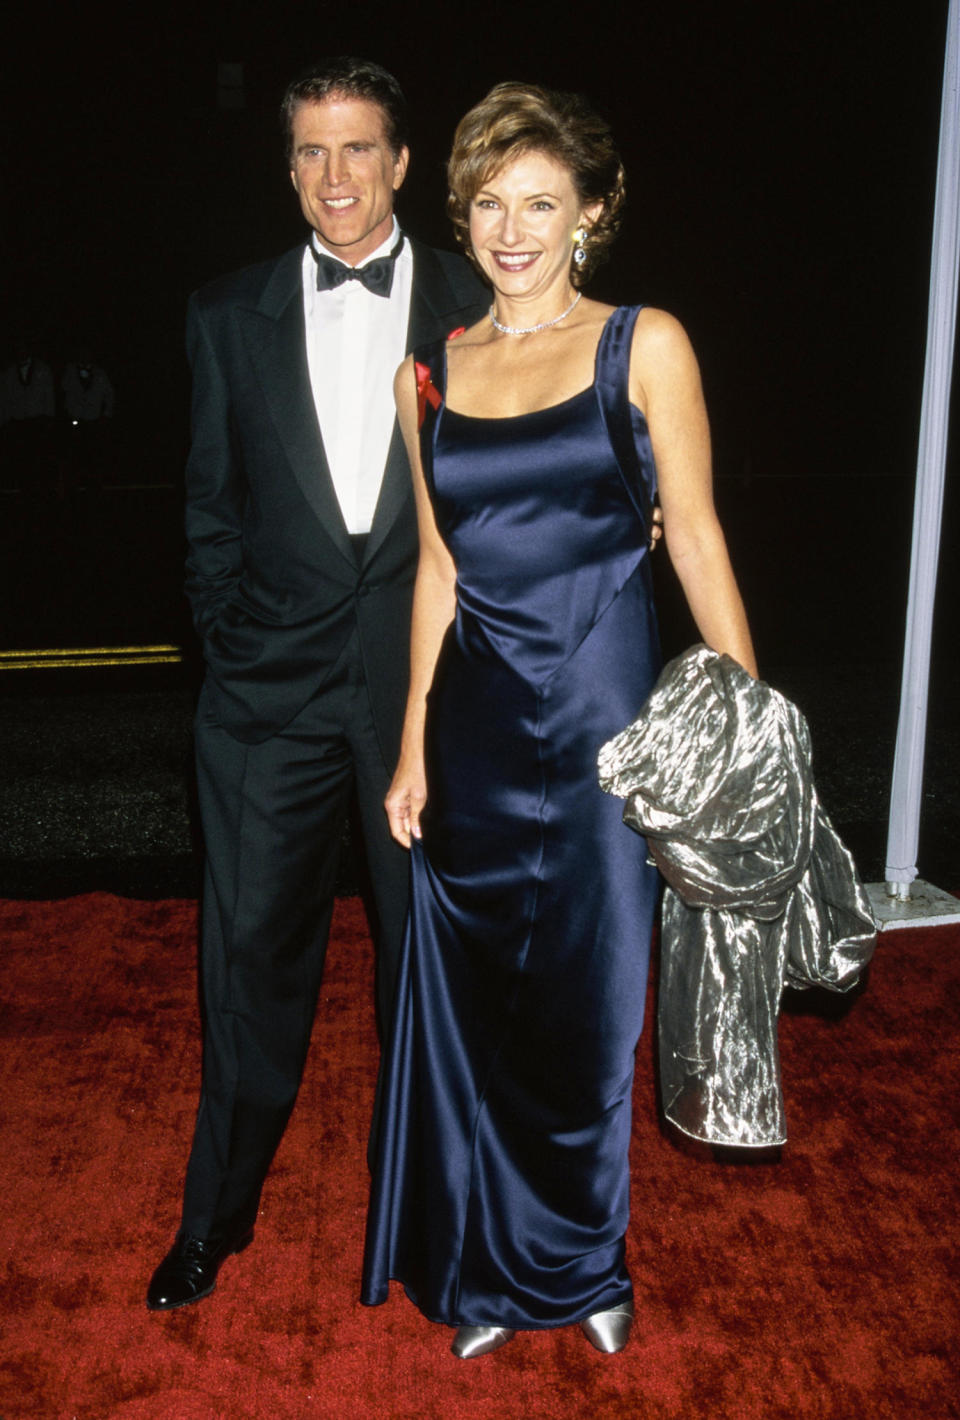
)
(347, 77)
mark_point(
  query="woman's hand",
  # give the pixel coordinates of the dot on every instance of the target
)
(656, 526)
(405, 799)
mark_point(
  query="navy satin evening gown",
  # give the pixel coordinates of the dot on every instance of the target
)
(500, 1195)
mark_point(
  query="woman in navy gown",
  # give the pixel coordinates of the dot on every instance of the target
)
(537, 440)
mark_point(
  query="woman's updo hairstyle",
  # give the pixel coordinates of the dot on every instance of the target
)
(522, 118)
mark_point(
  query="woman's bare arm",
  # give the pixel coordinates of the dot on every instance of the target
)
(665, 384)
(433, 608)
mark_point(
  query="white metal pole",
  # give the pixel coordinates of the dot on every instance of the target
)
(905, 796)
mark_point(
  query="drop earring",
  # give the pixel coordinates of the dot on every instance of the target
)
(579, 254)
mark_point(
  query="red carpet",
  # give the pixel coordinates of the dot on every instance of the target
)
(819, 1286)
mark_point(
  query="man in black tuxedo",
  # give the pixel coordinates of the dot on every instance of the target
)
(302, 550)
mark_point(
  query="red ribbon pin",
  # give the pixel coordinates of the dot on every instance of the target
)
(427, 392)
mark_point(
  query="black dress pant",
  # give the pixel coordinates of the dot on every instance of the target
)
(273, 816)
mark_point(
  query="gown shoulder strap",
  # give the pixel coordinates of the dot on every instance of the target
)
(430, 363)
(613, 394)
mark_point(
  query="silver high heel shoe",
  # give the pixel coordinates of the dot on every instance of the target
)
(473, 1341)
(608, 1331)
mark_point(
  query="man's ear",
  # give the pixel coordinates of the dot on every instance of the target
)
(400, 164)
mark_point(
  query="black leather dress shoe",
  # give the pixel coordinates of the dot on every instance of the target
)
(189, 1270)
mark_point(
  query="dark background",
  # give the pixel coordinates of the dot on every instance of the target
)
(781, 164)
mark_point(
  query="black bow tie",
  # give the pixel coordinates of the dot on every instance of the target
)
(377, 275)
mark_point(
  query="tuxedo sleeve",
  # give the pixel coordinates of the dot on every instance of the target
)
(214, 480)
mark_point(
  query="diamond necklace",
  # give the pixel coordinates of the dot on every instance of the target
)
(532, 329)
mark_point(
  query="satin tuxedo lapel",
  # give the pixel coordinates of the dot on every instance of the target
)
(275, 338)
(435, 304)
(434, 309)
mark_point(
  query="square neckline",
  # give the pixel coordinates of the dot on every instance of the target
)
(545, 408)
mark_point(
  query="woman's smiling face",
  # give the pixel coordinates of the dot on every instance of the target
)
(522, 221)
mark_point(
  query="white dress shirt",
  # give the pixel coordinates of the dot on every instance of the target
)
(355, 342)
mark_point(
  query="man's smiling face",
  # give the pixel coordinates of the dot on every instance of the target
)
(345, 174)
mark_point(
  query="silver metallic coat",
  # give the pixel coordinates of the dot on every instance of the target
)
(760, 894)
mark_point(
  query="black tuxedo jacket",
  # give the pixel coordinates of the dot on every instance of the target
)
(271, 574)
